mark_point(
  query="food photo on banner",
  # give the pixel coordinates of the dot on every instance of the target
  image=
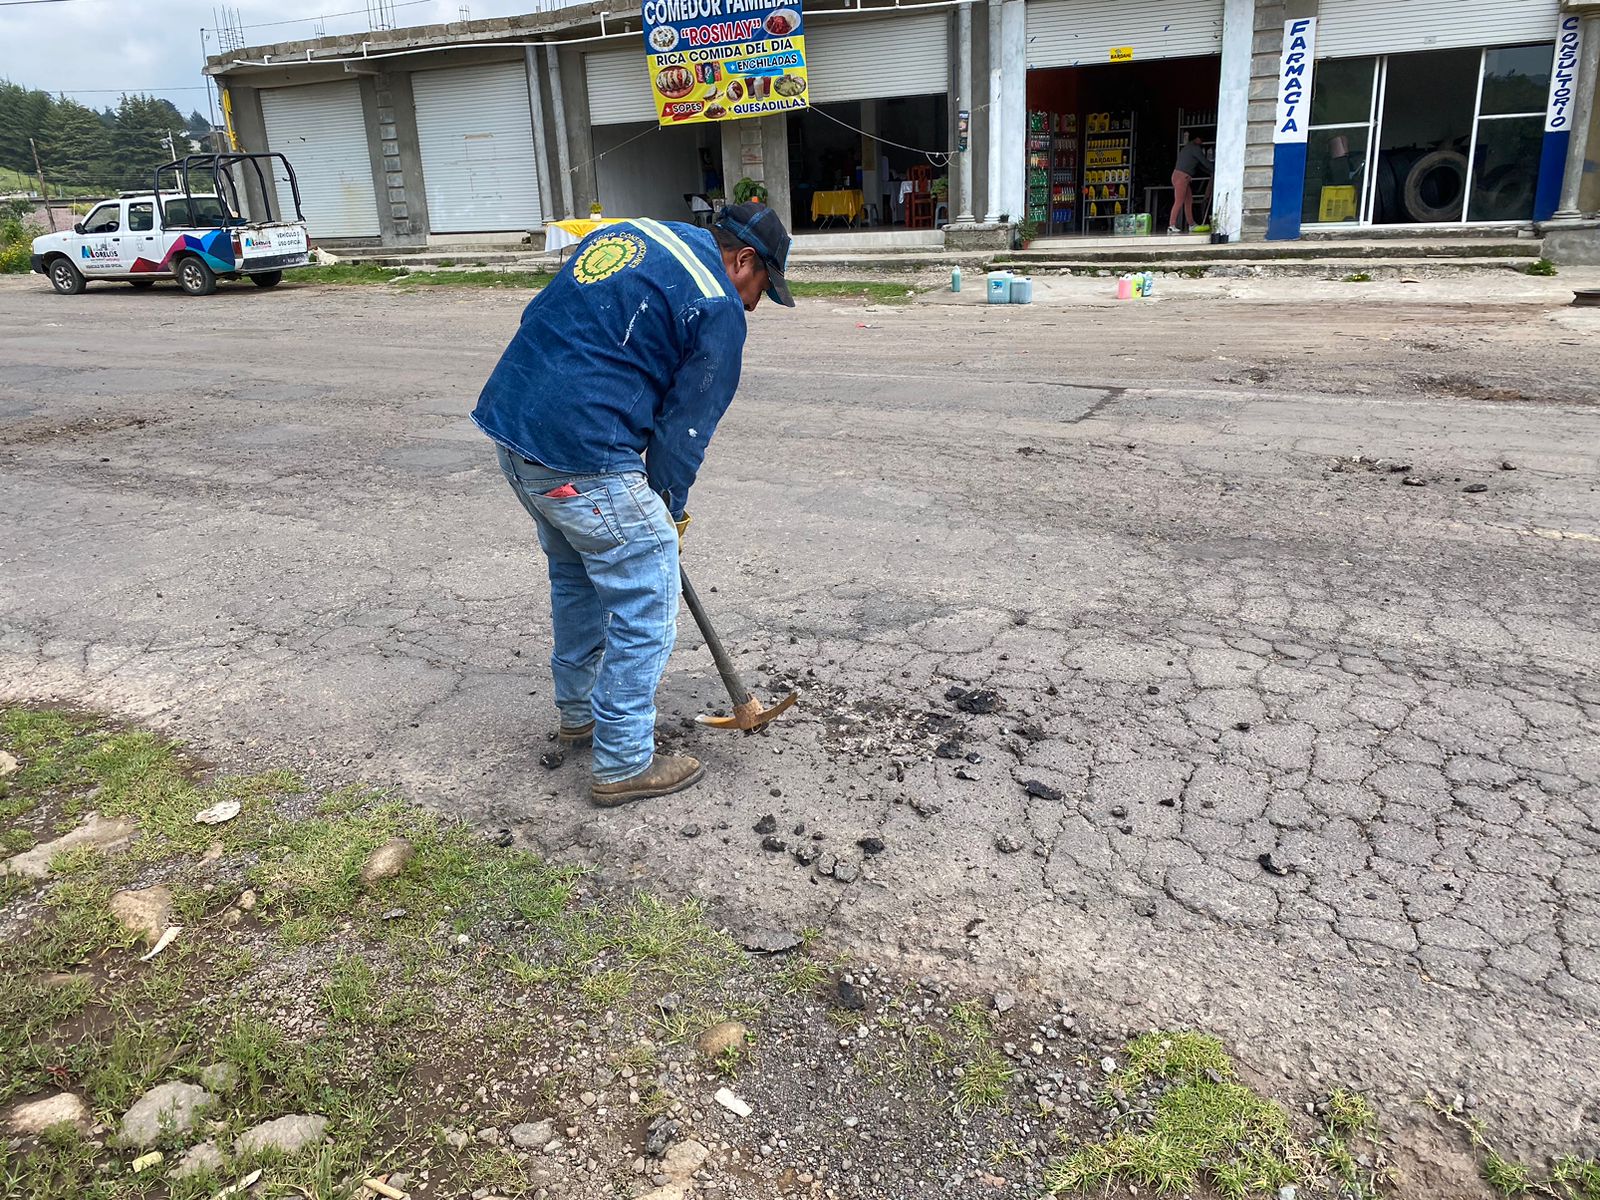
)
(721, 60)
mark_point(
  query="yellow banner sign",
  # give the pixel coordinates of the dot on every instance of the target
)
(722, 60)
(1122, 54)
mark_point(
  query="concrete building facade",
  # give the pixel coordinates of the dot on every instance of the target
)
(485, 131)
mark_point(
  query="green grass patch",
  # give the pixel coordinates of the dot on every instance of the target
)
(1573, 1178)
(1542, 266)
(1203, 1128)
(1358, 277)
(343, 273)
(877, 292)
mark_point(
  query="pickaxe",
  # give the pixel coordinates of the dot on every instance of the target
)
(748, 714)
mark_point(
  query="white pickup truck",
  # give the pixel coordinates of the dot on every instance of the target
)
(176, 232)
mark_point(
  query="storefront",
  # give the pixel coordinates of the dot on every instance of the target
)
(879, 122)
(321, 128)
(1114, 91)
(642, 169)
(475, 138)
(1427, 113)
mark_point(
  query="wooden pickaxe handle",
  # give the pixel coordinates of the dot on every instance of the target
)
(737, 692)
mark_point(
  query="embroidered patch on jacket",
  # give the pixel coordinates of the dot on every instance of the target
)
(605, 256)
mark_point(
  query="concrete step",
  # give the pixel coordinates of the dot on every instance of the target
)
(1153, 250)
(1382, 268)
(432, 260)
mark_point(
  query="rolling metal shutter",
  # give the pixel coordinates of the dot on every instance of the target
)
(858, 58)
(476, 138)
(322, 131)
(619, 85)
(1082, 33)
(1356, 28)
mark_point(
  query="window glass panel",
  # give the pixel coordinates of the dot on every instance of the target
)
(141, 218)
(1427, 127)
(1341, 91)
(104, 219)
(1516, 79)
(1505, 169)
(1335, 165)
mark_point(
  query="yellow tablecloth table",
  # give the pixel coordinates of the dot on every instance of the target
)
(849, 204)
(562, 235)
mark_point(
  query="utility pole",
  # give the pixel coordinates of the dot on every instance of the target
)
(43, 191)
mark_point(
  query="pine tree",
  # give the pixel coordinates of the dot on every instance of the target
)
(22, 116)
(75, 146)
(139, 139)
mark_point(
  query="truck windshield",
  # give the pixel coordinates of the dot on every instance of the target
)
(206, 213)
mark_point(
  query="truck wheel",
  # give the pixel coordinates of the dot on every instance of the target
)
(195, 278)
(65, 277)
(266, 279)
(142, 283)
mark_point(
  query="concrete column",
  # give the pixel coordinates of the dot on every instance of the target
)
(541, 160)
(403, 199)
(1233, 104)
(382, 178)
(757, 148)
(251, 130)
(552, 62)
(872, 183)
(1582, 119)
(964, 100)
(775, 165)
(996, 124)
(1013, 109)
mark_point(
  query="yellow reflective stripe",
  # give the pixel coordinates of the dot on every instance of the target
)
(680, 250)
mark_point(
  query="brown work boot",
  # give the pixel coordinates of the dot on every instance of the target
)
(667, 773)
(572, 739)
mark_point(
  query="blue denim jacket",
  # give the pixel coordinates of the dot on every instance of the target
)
(633, 350)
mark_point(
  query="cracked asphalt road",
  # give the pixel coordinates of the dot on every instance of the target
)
(1327, 746)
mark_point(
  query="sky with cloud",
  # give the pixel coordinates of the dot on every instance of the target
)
(94, 50)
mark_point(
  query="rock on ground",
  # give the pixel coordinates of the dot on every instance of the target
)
(35, 1117)
(287, 1135)
(97, 832)
(220, 1077)
(147, 912)
(729, 1035)
(8, 763)
(198, 1160)
(683, 1160)
(169, 1106)
(387, 861)
(532, 1135)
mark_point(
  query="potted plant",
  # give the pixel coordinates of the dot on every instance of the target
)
(940, 188)
(595, 211)
(748, 191)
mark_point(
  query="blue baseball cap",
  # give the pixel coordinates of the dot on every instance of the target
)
(758, 227)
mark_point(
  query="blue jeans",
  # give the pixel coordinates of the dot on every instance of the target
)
(614, 591)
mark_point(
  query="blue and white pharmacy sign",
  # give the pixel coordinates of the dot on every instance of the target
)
(1558, 118)
(1292, 129)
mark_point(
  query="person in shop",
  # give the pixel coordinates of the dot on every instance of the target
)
(1193, 160)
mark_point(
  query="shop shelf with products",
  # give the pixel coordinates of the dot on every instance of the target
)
(1109, 144)
(1037, 190)
(1064, 175)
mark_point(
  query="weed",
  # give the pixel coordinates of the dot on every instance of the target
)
(1358, 277)
(1192, 272)
(1203, 1126)
(1350, 1113)
(728, 1060)
(984, 1081)
(347, 992)
(800, 976)
(605, 989)
(1506, 1177)
(532, 280)
(1542, 266)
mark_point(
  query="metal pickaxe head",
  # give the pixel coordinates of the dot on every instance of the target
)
(748, 713)
(749, 716)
